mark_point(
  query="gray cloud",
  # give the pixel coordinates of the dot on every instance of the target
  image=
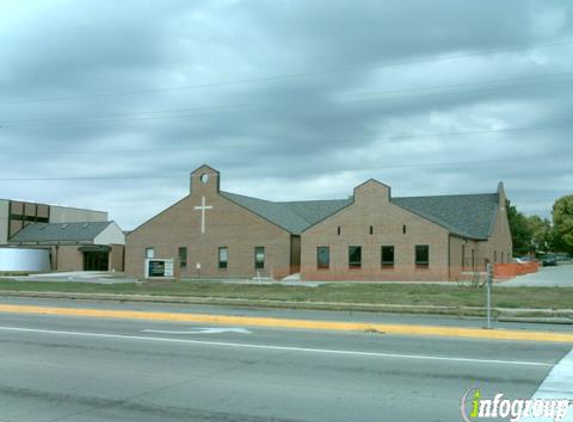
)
(332, 93)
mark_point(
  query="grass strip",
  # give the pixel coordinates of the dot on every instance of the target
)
(360, 293)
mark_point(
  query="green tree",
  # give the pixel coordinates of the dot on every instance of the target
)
(541, 234)
(521, 233)
(563, 224)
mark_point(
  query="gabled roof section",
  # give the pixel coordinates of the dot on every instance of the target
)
(371, 180)
(315, 211)
(294, 217)
(471, 216)
(60, 232)
(272, 211)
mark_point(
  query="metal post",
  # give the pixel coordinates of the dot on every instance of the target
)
(489, 288)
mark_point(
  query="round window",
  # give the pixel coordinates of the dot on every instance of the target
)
(204, 178)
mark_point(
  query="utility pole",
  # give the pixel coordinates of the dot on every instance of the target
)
(489, 285)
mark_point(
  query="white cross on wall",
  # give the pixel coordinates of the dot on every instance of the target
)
(203, 207)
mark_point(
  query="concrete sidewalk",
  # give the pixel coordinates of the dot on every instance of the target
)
(97, 277)
(560, 276)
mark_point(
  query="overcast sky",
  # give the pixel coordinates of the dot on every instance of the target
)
(111, 104)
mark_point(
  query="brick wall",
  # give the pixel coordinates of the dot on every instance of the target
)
(226, 225)
(370, 222)
(69, 258)
(372, 207)
(116, 258)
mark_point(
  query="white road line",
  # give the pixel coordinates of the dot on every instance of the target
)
(281, 348)
(201, 331)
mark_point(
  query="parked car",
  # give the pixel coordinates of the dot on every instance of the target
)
(524, 259)
(549, 261)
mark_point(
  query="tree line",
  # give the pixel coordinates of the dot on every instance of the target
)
(536, 235)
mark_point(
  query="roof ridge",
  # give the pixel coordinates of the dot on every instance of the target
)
(247, 196)
(80, 222)
(347, 199)
(286, 202)
(313, 200)
(446, 195)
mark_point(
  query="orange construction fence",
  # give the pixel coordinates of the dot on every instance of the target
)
(514, 269)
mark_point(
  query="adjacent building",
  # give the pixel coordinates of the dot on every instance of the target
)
(377, 237)
(15, 215)
(89, 246)
(72, 239)
(369, 236)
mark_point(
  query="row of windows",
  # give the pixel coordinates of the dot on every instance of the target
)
(29, 218)
(387, 256)
(222, 256)
(422, 256)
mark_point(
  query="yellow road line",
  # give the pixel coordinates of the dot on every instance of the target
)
(399, 329)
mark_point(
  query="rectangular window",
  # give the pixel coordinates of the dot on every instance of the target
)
(338, 230)
(259, 257)
(150, 253)
(182, 257)
(371, 230)
(354, 256)
(403, 229)
(387, 256)
(223, 257)
(323, 257)
(422, 255)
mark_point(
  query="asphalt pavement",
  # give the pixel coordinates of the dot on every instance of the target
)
(559, 276)
(62, 368)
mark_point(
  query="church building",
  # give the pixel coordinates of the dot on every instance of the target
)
(371, 235)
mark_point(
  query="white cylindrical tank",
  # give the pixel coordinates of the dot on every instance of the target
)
(24, 260)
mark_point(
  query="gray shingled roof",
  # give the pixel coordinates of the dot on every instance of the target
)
(60, 232)
(275, 212)
(469, 216)
(315, 211)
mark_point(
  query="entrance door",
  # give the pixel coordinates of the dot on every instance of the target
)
(96, 261)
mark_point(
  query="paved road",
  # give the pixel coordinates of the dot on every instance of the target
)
(560, 276)
(85, 369)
